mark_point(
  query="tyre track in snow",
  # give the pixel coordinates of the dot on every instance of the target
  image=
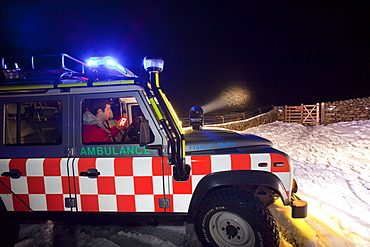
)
(308, 232)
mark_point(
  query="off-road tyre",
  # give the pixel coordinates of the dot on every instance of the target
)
(233, 217)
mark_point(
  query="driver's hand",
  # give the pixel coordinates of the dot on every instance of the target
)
(120, 127)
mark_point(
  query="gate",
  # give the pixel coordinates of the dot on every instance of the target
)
(304, 114)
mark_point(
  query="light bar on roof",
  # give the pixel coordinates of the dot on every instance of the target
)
(108, 64)
(105, 61)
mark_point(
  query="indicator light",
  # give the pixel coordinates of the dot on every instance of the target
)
(263, 164)
(278, 164)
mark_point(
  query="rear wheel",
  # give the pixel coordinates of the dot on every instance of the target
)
(232, 217)
(9, 229)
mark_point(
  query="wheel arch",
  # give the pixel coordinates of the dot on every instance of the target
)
(240, 179)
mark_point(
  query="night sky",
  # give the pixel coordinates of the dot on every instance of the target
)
(280, 52)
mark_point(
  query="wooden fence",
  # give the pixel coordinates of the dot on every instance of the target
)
(304, 114)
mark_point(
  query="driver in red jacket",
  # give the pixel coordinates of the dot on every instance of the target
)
(95, 128)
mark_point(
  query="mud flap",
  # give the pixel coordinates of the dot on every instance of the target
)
(299, 207)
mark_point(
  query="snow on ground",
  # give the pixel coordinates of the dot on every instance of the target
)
(332, 168)
(52, 234)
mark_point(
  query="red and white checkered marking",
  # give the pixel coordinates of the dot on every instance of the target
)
(130, 184)
(206, 164)
(42, 186)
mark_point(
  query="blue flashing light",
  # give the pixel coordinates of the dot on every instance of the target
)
(120, 67)
(109, 66)
(107, 62)
(92, 62)
(110, 62)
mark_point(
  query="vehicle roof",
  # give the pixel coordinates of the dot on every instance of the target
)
(41, 74)
(76, 88)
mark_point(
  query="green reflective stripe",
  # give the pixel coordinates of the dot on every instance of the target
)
(7, 88)
(183, 148)
(157, 80)
(156, 109)
(172, 111)
(168, 104)
(83, 84)
(72, 85)
(100, 83)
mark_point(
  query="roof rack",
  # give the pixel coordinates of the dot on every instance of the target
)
(57, 71)
(36, 68)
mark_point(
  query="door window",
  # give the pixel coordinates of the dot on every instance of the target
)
(33, 122)
(114, 120)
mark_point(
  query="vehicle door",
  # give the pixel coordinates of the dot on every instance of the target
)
(34, 153)
(119, 175)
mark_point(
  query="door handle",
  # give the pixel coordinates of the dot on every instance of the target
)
(13, 173)
(90, 173)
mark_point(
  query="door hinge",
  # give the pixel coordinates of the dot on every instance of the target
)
(69, 151)
(164, 202)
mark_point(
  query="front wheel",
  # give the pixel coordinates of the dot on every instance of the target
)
(232, 217)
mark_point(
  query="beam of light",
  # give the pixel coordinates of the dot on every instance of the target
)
(214, 105)
(233, 97)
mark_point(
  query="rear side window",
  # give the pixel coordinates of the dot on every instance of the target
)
(33, 123)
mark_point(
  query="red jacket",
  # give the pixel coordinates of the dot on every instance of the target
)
(93, 133)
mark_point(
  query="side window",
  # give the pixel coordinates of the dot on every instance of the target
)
(114, 120)
(33, 123)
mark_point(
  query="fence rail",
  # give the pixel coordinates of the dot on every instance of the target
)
(324, 113)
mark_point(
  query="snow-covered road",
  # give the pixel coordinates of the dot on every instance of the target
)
(332, 168)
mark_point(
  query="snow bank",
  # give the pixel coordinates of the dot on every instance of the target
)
(332, 168)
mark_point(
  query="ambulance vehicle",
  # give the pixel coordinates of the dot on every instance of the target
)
(219, 182)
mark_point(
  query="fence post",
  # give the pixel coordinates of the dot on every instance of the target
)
(317, 113)
(322, 120)
(302, 113)
(285, 113)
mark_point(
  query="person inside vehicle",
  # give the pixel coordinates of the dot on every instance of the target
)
(95, 128)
